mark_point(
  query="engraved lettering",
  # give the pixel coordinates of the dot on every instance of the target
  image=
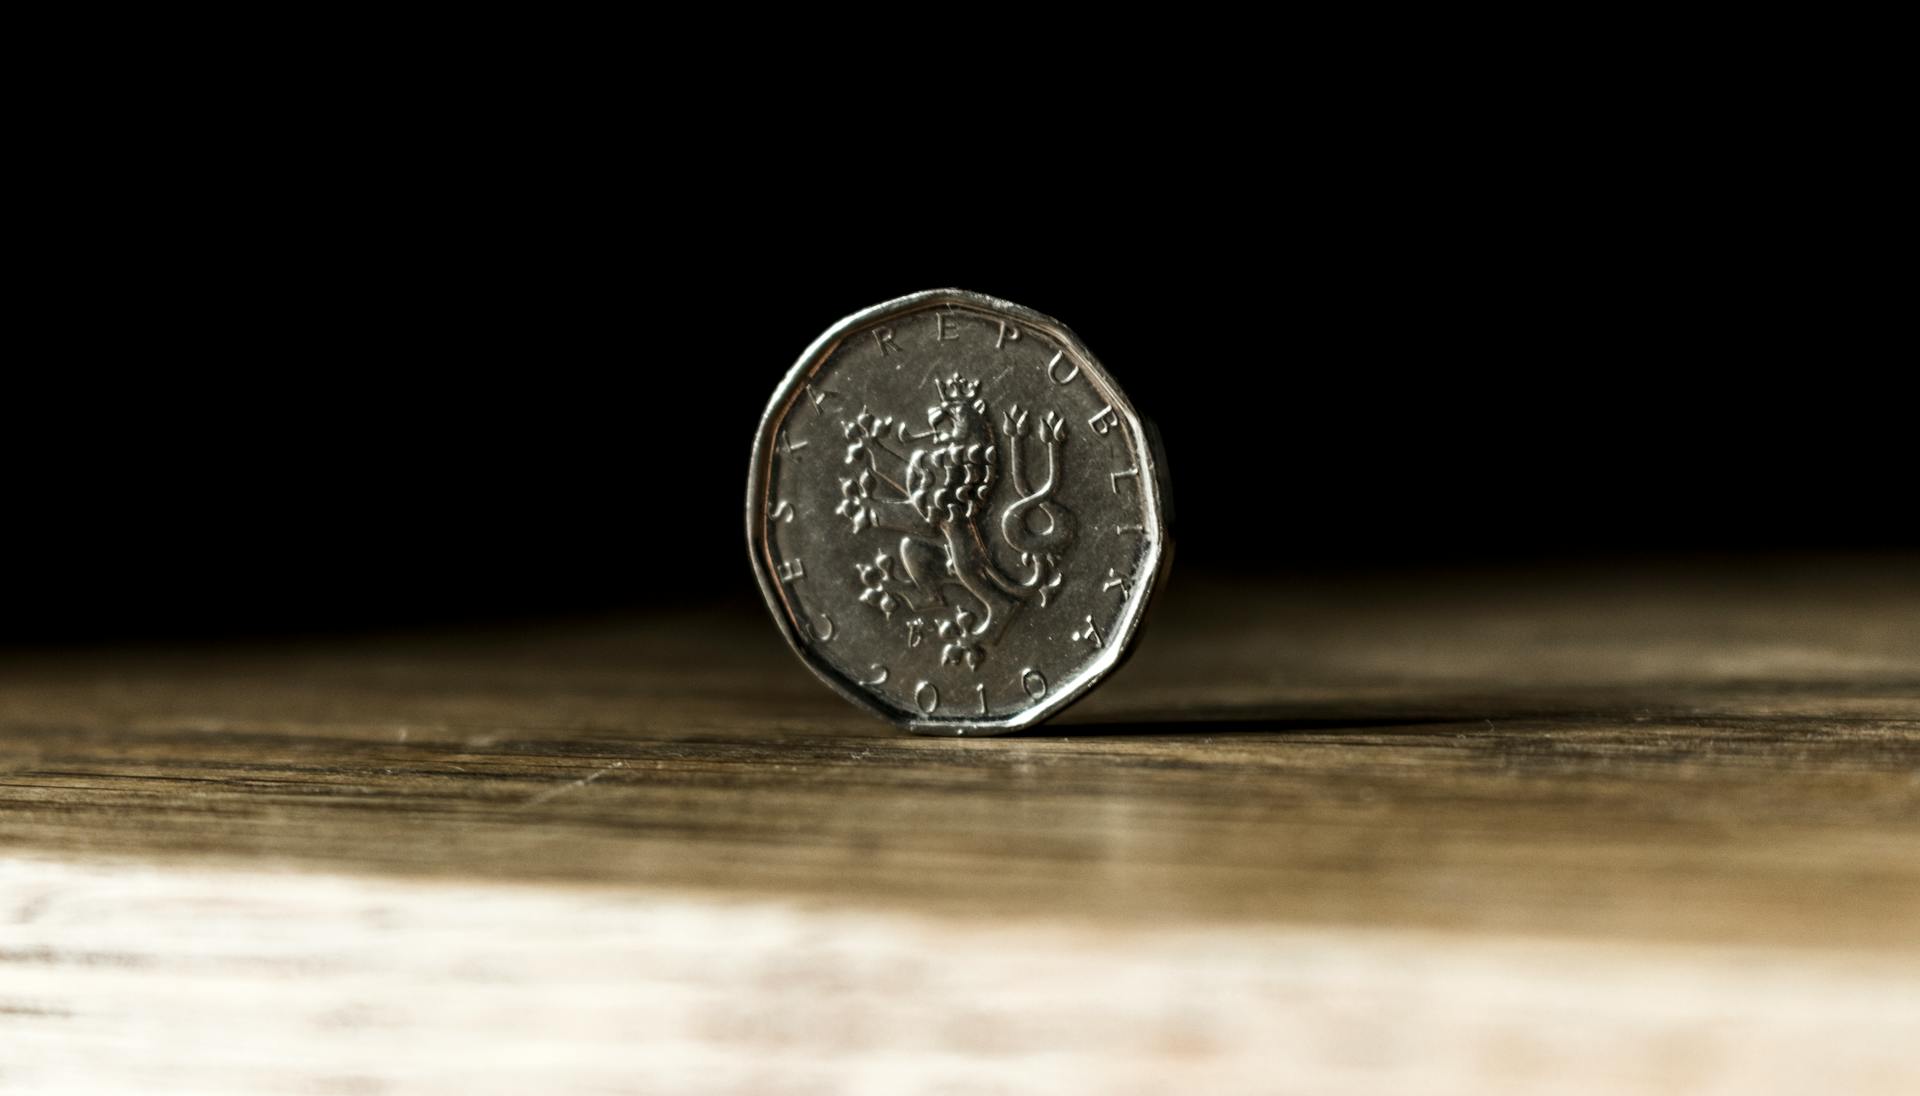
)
(981, 692)
(792, 569)
(927, 696)
(786, 446)
(1054, 365)
(1102, 423)
(883, 338)
(878, 669)
(1034, 682)
(1090, 633)
(1119, 529)
(1115, 578)
(914, 627)
(818, 396)
(821, 634)
(942, 325)
(1008, 333)
(782, 511)
(1116, 477)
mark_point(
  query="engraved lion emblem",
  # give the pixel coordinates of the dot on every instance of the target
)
(935, 488)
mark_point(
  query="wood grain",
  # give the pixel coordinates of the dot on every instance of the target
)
(1570, 815)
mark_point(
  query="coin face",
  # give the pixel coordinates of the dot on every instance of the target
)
(955, 514)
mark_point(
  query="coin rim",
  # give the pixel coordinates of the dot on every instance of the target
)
(1152, 480)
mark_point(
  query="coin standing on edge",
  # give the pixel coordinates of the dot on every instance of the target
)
(955, 514)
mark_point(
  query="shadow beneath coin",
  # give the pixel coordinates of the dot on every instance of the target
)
(1319, 719)
(1250, 720)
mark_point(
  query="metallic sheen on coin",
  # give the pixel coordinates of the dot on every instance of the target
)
(956, 516)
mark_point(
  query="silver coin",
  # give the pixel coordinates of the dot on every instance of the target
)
(955, 514)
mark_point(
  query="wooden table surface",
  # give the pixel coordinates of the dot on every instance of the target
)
(1594, 830)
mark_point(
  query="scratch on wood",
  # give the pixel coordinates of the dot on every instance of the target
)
(572, 784)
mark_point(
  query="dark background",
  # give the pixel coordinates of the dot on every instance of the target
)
(291, 406)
